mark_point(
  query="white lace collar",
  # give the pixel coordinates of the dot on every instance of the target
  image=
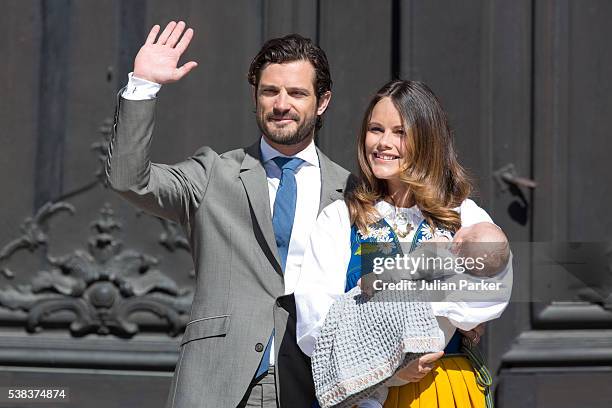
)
(387, 210)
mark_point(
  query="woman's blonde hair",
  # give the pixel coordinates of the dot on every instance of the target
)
(435, 180)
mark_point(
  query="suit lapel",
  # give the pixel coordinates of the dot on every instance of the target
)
(253, 176)
(333, 181)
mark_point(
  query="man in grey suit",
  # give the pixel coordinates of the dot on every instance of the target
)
(247, 214)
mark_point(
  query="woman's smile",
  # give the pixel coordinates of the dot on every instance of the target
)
(384, 157)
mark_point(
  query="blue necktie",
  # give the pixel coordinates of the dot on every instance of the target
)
(282, 221)
(284, 205)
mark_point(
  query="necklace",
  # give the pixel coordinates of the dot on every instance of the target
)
(400, 223)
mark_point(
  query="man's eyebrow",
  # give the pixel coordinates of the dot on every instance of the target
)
(268, 86)
(298, 88)
(289, 88)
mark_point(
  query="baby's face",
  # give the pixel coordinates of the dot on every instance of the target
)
(481, 232)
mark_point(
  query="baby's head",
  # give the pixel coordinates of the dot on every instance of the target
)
(483, 240)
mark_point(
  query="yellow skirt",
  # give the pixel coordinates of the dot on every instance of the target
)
(451, 384)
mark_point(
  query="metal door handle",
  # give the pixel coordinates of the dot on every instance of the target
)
(507, 175)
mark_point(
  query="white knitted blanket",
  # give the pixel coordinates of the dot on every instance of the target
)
(365, 340)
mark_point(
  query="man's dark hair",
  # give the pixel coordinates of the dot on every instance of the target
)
(293, 47)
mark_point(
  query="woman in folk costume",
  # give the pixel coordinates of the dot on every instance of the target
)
(411, 190)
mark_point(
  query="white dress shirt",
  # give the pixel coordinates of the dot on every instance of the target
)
(308, 180)
(323, 276)
(139, 89)
(307, 177)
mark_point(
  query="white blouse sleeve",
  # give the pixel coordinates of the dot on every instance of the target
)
(467, 315)
(472, 214)
(323, 273)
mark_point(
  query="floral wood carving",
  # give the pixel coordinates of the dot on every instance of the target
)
(102, 286)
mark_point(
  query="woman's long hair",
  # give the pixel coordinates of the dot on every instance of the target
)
(435, 180)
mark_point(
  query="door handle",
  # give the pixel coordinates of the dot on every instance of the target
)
(507, 176)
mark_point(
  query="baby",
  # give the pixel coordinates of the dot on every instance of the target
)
(483, 240)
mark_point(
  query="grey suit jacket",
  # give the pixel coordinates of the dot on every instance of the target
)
(223, 205)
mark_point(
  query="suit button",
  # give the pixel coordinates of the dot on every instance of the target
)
(259, 347)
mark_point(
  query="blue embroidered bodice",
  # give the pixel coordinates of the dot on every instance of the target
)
(388, 244)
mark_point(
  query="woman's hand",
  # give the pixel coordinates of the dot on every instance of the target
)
(366, 289)
(419, 368)
(475, 334)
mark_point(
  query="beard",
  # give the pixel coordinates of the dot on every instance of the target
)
(285, 135)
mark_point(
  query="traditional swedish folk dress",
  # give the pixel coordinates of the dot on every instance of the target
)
(350, 361)
(335, 247)
(461, 379)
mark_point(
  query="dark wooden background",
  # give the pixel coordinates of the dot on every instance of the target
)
(526, 84)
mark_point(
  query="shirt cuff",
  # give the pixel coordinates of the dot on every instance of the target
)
(307, 342)
(139, 89)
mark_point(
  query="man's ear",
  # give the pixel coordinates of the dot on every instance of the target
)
(323, 102)
(254, 96)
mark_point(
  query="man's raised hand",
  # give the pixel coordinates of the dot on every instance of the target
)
(157, 61)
